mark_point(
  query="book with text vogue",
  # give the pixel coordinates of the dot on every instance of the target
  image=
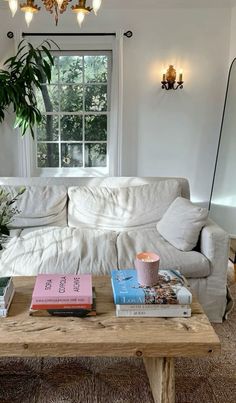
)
(171, 289)
(64, 310)
(62, 289)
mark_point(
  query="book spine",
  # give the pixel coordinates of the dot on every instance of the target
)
(4, 311)
(155, 313)
(163, 307)
(62, 312)
(60, 300)
(61, 306)
(7, 293)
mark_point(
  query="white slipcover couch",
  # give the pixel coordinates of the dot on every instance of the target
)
(71, 225)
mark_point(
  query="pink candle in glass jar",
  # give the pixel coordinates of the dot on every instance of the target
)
(147, 266)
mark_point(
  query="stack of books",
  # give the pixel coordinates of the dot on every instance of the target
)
(63, 295)
(6, 294)
(170, 297)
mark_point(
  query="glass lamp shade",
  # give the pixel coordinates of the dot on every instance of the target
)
(13, 4)
(80, 18)
(96, 5)
(28, 17)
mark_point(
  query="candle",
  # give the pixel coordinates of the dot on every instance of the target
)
(181, 75)
(164, 77)
(147, 259)
(147, 266)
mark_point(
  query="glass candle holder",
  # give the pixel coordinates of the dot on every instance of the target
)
(147, 266)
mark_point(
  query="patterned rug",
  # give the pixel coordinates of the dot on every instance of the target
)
(86, 380)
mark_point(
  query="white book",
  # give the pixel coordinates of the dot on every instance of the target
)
(156, 313)
(6, 291)
(4, 311)
(163, 307)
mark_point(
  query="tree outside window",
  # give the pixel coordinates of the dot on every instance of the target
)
(75, 107)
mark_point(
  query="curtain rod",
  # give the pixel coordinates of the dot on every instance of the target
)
(128, 34)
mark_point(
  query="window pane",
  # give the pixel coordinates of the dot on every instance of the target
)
(95, 155)
(54, 71)
(48, 128)
(96, 127)
(47, 98)
(71, 69)
(71, 98)
(95, 69)
(71, 155)
(96, 98)
(72, 127)
(47, 155)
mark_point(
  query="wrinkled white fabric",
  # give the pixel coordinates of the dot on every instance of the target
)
(39, 205)
(120, 208)
(60, 250)
(191, 264)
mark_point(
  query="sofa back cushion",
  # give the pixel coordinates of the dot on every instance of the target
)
(39, 206)
(120, 208)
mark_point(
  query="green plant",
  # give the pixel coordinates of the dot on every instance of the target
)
(7, 212)
(25, 71)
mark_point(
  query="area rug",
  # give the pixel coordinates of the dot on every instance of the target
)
(87, 380)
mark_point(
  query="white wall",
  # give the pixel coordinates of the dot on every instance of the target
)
(223, 206)
(165, 133)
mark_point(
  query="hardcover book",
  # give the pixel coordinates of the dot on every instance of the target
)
(4, 310)
(171, 288)
(154, 311)
(6, 291)
(66, 311)
(62, 289)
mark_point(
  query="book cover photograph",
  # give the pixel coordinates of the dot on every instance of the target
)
(171, 288)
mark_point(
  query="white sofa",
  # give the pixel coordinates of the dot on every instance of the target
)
(98, 224)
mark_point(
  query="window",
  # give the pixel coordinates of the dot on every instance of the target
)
(75, 130)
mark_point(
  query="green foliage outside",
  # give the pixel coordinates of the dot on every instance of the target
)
(78, 83)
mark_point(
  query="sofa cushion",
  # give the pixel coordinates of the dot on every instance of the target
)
(40, 206)
(60, 250)
(181, 224)
(191, 264)
(122, 207)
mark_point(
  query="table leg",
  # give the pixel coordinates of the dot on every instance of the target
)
(161, 374)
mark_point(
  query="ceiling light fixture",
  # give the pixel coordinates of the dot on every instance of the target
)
(55, 7)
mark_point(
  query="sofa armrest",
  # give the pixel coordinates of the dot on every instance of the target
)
(214, 244)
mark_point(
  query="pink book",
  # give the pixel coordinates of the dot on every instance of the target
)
(69, 288)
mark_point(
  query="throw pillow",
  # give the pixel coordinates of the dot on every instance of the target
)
(120, 208)
(181, 224)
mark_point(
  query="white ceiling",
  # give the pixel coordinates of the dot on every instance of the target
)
(144, 4)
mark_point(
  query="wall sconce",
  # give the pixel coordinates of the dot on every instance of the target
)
(169, 79)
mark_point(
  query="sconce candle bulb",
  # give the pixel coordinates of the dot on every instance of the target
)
(169, 79)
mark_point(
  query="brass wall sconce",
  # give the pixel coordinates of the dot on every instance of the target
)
(169, 79)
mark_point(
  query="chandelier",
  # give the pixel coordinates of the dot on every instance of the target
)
(55, 7)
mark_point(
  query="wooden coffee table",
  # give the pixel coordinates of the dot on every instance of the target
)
(155, 340)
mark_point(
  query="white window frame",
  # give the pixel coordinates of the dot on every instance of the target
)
(27, 166)
(81, 171)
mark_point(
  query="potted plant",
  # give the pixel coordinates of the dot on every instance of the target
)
(24, 72)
